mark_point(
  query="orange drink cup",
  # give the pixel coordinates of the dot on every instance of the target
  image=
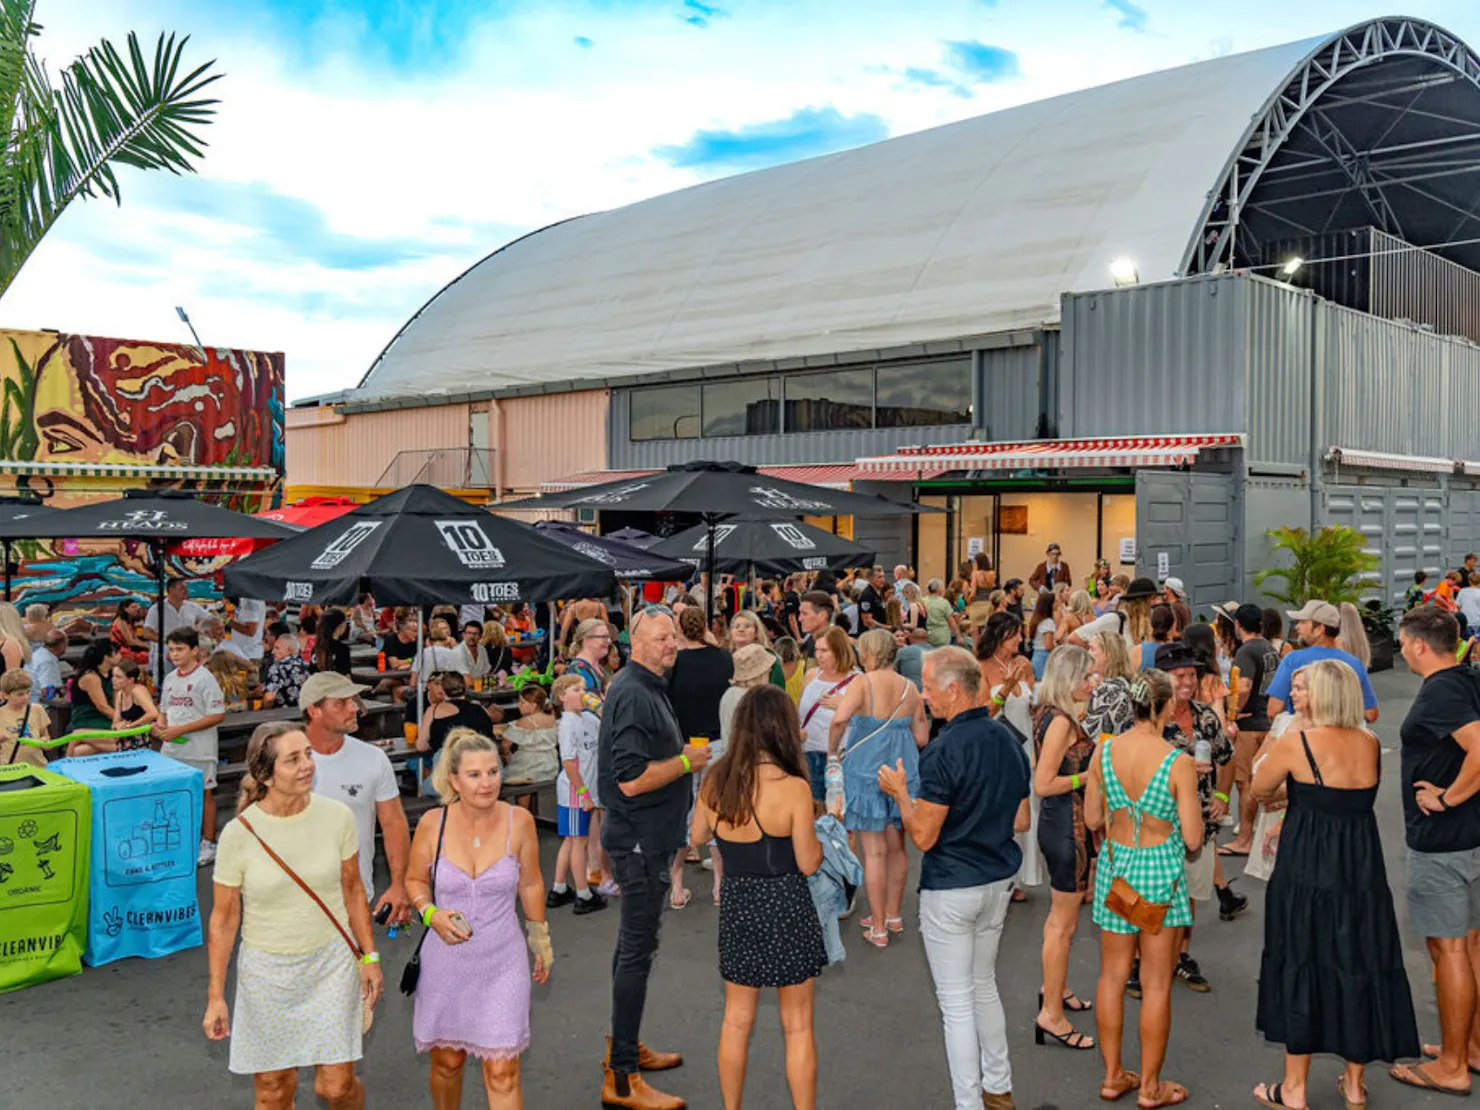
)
(698, 741)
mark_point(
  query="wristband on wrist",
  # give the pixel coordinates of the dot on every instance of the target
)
(688, 768)
(999, 701)
(370, 958)
(1073, 782)
(582, 792)
(1222, 797)
(427, 914)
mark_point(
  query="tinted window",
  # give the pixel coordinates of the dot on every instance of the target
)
(836, 399)
(668, 413)
(742, 408)
(925, 393)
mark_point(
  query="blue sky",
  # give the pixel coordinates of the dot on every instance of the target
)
(368, 151)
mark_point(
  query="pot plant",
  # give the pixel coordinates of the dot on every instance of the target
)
(1331, 564)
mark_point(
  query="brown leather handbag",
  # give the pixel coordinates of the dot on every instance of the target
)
(1125, 902)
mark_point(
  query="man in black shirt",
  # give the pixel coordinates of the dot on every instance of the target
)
(1014, 590)
(871, 603)
(1441, 817)
(643, 769)
(814, 616)
(1256, 661)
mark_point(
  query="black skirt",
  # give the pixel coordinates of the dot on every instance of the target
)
(1331, 978)
(769, 932)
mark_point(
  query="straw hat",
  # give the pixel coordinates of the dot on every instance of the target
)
(751, 662)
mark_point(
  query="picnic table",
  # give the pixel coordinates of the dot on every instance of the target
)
(369, 676)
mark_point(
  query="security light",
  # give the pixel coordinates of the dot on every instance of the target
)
(1289, 268)
(1123, 272)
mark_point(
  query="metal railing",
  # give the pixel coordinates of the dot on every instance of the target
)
(448, 467)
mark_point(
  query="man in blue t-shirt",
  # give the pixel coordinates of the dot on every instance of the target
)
(974, 780)
(1316, 627)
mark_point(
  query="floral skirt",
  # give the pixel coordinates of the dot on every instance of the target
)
(295, 1011)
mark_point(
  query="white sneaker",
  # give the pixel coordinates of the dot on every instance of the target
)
(207, 854)
(852, 905)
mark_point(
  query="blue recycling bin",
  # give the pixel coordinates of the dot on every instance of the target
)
(146, 813)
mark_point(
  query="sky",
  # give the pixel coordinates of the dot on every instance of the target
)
(367, 152)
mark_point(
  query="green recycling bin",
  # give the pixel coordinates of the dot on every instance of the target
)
(45, 830)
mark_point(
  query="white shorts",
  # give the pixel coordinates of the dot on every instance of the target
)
(207, 767)
(1200, 873)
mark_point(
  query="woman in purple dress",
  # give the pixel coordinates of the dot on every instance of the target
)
(469, 862)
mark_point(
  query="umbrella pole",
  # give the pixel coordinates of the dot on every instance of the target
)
(158, 548)
(420, 666)
(709, 519)
(7, 570)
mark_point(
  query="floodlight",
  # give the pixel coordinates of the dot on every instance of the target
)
(1123, 272)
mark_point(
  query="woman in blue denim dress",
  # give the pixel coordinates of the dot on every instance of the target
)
(880, 721)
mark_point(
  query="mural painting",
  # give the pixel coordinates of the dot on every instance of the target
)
(118, 403)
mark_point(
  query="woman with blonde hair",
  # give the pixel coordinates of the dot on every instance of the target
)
(233, 674)
(747, 628)
(1352, 638)
(471, 861)
(1063, 755)
(15, 645)
(882, 716)
(1329, 904)
(1110, 711)
(1078, 611)
(307, 973)
(495, 642)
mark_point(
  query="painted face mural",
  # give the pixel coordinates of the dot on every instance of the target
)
(67, 399)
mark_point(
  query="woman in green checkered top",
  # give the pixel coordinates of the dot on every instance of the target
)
(1145, 791)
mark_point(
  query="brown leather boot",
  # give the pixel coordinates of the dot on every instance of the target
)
(997, 1102)
(639, 1095)
(647, 1058)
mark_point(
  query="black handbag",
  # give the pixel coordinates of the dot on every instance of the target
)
(412, 973)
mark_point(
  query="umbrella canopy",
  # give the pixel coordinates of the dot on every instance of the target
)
(630, 563)
(633, 537)
(770, 546)
(420, 546)
(723, 489)
(20, 516)
(308, 513)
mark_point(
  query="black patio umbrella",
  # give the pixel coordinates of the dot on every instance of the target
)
(634, 537)
(630, 563)
(420, 546)
(18, 519)
(716, 490)
(743, 545)
(157, 516)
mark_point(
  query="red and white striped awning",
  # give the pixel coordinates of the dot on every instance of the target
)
(828, 475)
(1383, 460)
(1050, 454)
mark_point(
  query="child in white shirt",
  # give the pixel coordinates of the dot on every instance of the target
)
(191, 706)
(575, 794)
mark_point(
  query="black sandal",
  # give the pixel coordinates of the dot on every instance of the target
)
(1074, 1039)
(1072, 1002)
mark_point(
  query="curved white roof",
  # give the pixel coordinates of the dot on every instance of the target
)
(974, 227)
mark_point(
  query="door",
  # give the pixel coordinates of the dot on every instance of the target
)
(1188, 526)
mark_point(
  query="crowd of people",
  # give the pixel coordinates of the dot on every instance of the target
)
(1102, 740)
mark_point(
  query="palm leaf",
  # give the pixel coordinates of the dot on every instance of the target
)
(112, 109)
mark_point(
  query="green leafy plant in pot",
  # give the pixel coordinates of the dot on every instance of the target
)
(1331, 564)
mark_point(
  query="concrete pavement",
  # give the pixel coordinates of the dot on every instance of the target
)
(128, 1035)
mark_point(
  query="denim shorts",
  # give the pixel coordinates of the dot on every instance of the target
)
(1444, 893)
(817, 772)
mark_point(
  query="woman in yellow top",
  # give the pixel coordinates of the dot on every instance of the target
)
(19, 718)
(793, 668)
(299, 990)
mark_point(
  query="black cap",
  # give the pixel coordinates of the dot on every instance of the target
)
(1249, 617)
(1139, 588)
(1175, 657)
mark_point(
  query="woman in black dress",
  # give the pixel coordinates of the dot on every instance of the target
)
(331, 649)
(1331, 978)
(701, 674)
(757, 803)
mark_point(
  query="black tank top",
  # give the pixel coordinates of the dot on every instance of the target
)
(766, 858)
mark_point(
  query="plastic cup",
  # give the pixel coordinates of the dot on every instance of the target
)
(409, 731)
(698, 741)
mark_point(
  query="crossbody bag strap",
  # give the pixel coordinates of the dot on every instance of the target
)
(441, 831)
(853, 747)
(277, 859)
(816, 705)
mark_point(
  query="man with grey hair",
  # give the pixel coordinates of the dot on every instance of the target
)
(212, 632)
(46, 666)
(973, 799)
(940, 619)
(903, 578)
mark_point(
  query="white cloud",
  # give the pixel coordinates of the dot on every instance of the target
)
(526, 127)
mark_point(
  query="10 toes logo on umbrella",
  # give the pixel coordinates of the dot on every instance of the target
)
(495, 593)
(467, 540)
(340, 549)
(793, 535)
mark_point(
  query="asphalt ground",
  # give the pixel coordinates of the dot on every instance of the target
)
(128, 1034)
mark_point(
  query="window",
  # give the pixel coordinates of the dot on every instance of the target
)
(838, 399)
(923, 393)
(749, 407)
(668, 413)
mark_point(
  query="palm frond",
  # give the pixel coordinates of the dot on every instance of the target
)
(111, 109)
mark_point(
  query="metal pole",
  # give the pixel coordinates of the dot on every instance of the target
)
(157, 546)
(709, 519)
(421, 676)
(7, 570)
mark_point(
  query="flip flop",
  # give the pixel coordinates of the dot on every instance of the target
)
(1175, 1093)
(1228, 850)
(1423, 1081)
(1131, 1082)
(1346, 1102)
(1275, 1096)
(1434, 1051)
(679, 898)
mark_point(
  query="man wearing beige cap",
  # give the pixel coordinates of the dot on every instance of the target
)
(359, 775)
(1317, 624)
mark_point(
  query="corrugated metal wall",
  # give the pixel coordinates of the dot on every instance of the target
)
(1269, 503)
(1404, 528)
(1010, 393)
(356, 451)
(1420, 285)
(765, 450)
(1230, 353)
(1463, 534)
(545, 437)
(1391, 387)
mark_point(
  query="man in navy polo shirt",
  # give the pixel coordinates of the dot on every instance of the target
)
(974, 782)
